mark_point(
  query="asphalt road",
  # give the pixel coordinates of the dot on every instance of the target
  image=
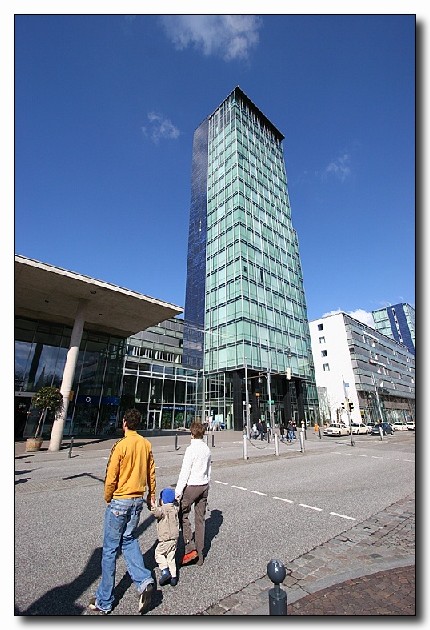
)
(262, 508)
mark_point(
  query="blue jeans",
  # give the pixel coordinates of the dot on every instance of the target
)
(121, 520)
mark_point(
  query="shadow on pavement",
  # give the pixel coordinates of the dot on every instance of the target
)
(61, 599)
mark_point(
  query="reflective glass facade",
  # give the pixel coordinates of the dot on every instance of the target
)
(243, 257)
(155, 381)
(398, 322)
(112, 374)
(40, 356)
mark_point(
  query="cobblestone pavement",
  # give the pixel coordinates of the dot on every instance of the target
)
(370, 570)
(383, 593)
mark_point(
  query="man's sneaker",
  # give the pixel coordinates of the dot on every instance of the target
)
(93, 606)
(164, 577)
(145, 599)
(189, 557)
(173, 581)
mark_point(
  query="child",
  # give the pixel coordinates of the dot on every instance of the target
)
(166, 514)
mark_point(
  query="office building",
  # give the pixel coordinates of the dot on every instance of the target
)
(77, 333)
(246, 328)
(357, 364)
(154, 380)
(398, 322)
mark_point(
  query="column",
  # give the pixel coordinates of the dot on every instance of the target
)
(68, 376)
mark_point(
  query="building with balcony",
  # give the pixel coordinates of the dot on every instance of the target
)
(358, 364)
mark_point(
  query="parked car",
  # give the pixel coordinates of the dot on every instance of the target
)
(410, 426)
(386, 428)
(370, 426)
(399, 426)
(359, 428)
(336, 429)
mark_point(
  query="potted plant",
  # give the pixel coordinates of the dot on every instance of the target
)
(46, 398)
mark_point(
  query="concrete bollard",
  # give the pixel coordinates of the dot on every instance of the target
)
(276, 445)
(71, 446)
(277, 596)
(245, 447)
(302, 441)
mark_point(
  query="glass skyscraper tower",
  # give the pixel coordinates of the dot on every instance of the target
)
(246, 324)
(398, 322)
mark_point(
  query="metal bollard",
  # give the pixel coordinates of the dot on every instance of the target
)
(276, 445)
(176, 442)
(381, 433)
(213, 441)
(71, 446)
(277, 596)
(319, 432)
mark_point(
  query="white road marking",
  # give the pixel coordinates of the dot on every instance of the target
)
(263, 494)
(311, 507)
(377, 457)
(342, 516)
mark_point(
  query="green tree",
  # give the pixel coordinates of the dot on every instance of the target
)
(46, 398)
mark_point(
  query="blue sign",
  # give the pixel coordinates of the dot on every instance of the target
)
(110, 400)
(88, 400)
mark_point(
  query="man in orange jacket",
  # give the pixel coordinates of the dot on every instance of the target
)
(130, 471)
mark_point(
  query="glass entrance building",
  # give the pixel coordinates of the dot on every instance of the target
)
(246, 328)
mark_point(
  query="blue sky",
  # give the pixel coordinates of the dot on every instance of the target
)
(104, 116)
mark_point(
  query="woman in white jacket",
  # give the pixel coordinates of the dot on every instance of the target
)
(192, 489)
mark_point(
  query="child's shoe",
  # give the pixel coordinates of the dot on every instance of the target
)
(165, 577)
(173, 581)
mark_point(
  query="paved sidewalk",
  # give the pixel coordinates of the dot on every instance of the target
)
(368, 570)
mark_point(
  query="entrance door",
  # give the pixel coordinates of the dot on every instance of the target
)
(154, 419)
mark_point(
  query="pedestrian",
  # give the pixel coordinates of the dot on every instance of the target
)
(192, 490)
(166, 514)
(294, 430)
(282, 431)
(290, 433)
(260, 428)
(130, 471)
